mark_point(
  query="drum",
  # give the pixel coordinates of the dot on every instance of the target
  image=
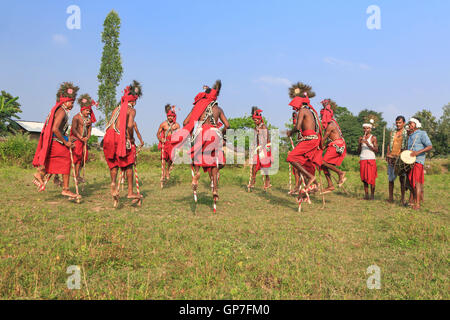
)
(404, 163)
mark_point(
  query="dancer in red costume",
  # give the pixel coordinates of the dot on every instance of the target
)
(52, 154)
(262, 157)
(307, 155)
(336, 149)
(207, 151)
(164, 135)
(118, 144)
(81, 132)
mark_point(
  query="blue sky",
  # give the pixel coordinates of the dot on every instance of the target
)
(257, 48)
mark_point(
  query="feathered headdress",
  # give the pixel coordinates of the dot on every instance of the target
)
(300, 89)
(86, 102)
(67, 90)
(170, 111)
(217, 86)
(135, 89)
(371, 120)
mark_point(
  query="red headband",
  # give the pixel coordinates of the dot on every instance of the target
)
(257, 115)
(130, 97)
(93, 103)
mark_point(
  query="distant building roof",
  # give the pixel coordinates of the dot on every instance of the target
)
(35, 126)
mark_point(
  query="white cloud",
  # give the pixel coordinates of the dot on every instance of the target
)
(274, 81)
(344, 63)
(59, 39)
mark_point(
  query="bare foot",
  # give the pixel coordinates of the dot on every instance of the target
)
(328, 190)
(114, 190)
(310, 182)
(80, 180)
(68, 193)
(39, 178)
(134, 196)
(342, 179)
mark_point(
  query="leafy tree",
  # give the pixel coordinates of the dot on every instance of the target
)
(246, 123)
(443, 136)
(9, 108)
(428, 121)
(350, 127)
(438, 131)
(111, 66)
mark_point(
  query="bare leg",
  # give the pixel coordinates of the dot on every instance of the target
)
(372, 191)
(214, 171)
(391, 191)
(114, 190)
(327, 174)
(267, 184)
(366, 190)
(417, 195)
(66, 191)
(40, 174)
(402, 187)
(195, 177)
(167, 170)
(311, 179)
(129, 173)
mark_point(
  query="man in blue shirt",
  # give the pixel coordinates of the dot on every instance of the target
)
(419, 143)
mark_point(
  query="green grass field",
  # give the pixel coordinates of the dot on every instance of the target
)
(257, 246)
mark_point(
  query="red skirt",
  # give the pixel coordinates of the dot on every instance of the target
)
(416, 175)
(263, 162)
(166, 150)
(307, 153)
(207, 151)
(332, 156)
(110, 146)
(78, 152)
(368, 171)
(58, 161)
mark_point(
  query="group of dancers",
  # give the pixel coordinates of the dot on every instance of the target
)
(60, 150)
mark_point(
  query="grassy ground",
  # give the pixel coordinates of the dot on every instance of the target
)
(256, 247)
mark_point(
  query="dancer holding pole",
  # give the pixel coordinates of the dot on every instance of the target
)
(119, 144)
(81, 132)
(307, 155)
(207, 150)
(53, 151)
(164, 135)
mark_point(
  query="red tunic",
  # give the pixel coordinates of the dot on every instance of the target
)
(368, 171)
(78, 152)
(416, 175)
(207, 151)
(332, 156)
(50, 153)
(111, 145)
(59, 159)
(307, 153)
(166, 147)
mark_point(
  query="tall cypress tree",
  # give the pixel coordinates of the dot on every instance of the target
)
(111, 66)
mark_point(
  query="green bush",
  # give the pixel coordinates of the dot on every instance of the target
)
(350, 163)
(17, 150)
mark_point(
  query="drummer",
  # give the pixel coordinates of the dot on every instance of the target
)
(419, 143)
(398, 143)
